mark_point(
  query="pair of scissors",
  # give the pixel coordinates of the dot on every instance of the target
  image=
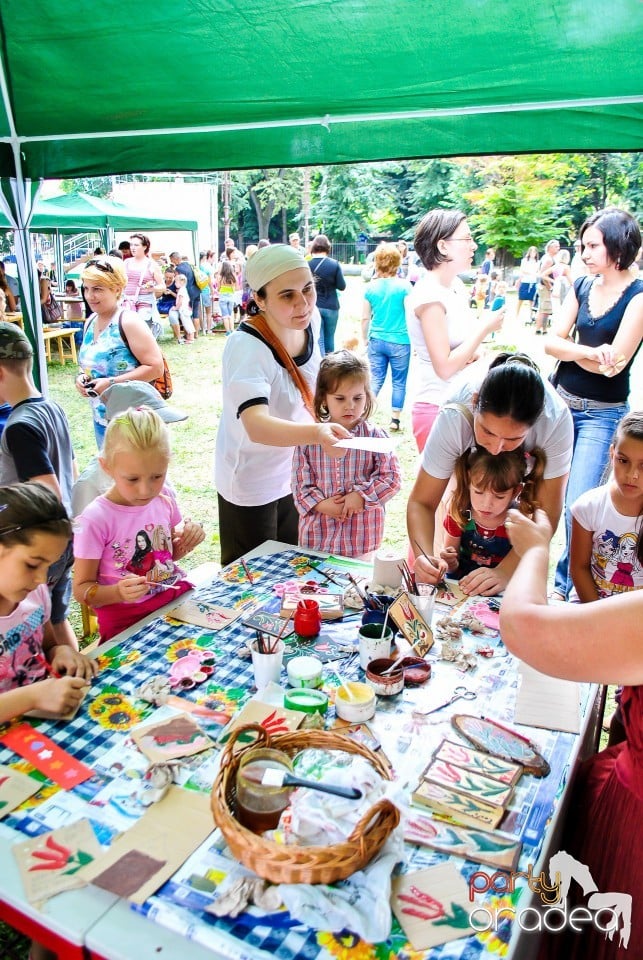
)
(459, 693)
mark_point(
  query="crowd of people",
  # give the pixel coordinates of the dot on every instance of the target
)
(503, 452)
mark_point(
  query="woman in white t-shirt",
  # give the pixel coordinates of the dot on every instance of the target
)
(444, 333)
(512, 408)
(269, 371)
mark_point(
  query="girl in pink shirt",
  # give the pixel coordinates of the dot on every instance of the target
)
(35, 673)
(127, 542)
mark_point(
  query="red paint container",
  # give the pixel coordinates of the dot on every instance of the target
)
(307, 620)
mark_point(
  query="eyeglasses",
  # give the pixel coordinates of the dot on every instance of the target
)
(100, 265)
(465, 239)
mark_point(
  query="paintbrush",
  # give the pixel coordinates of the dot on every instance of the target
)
(360, 592)
(273, 777)
(441, 581)
(247, 571)
(272, 648)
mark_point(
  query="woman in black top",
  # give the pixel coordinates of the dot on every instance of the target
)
(328, 278)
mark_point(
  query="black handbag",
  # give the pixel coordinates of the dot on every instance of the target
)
(51, 310)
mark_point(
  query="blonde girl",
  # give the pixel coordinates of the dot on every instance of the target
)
(112, 529)
(341, 501)
(487, 486)
(36, 673)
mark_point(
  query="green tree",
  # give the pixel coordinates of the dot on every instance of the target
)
(351, 198)
(518, 204)
(94, 186)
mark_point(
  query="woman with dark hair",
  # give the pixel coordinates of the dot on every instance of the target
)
(4, 286)
(329, 278)
(144, 282)
(445, 334)
(511, 408)
(142, 559)
(596, 338)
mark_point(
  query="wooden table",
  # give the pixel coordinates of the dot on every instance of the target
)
(15, 318)
(60, 335)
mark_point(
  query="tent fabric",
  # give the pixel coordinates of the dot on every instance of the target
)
(17, 200)
(76, 212)
(98, 89)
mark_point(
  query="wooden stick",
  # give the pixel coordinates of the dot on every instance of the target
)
(273, 646)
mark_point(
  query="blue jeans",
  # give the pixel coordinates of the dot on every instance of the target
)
(329, 320)
(381, 355)
(593, 434)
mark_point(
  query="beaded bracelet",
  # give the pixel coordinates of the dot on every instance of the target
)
(90, 593)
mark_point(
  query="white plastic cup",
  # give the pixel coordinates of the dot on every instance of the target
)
(425, 605)
(267, 666)
(372, 645)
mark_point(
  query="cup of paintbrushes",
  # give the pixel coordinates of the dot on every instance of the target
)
(267, 659)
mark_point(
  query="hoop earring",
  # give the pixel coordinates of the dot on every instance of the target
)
(324, 412)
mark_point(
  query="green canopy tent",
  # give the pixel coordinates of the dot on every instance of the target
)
(80, 212)
(98, 89)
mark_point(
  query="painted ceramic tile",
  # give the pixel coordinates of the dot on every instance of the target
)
(273, 719)
(412, 624)
(330, 600)
(177, 737)
(432, 906)
(15, 788)
(459, 807)
(202, 614)
(51, 863)
(465, 781)
(493, 849)
(268, 623)
(449, 593)
(478, 762)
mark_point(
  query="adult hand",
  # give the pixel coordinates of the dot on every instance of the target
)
(81, 384)
(184, 540)
(484, 582)
(609, 362)
(131, 589)
(101, 384)
(429, 569)
(493, 319)
(58, 696)
(328, 434)
(68, 662)
(525, 533)
(451, 557)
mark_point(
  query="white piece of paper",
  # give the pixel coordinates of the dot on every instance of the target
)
(547, 702)
(374, 444)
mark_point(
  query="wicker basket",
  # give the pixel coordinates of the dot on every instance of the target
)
(295, 864)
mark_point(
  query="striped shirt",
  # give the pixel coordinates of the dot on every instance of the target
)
(316, 477)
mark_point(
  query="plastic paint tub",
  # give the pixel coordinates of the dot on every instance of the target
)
(304, 672)
(308, 701)
(359, 707)
(416, 671)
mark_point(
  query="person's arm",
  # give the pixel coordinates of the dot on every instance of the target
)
(446, 361)
(420, 521)
(340, 280)
(451, 541)
(580, 562)
(11, 301)
(367, 314)
(159, 282)
(58, 696)
(144, 347)
(305, 490)
(65, 659)
(567, 640)
(262, 427)
(87, 590)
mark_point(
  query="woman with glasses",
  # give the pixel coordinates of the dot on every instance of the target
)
(512, 408)
(444, 333)
(117, 344)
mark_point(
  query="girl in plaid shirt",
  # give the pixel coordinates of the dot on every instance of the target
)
(341, 500)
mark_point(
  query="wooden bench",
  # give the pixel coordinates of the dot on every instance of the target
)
(60, 336)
